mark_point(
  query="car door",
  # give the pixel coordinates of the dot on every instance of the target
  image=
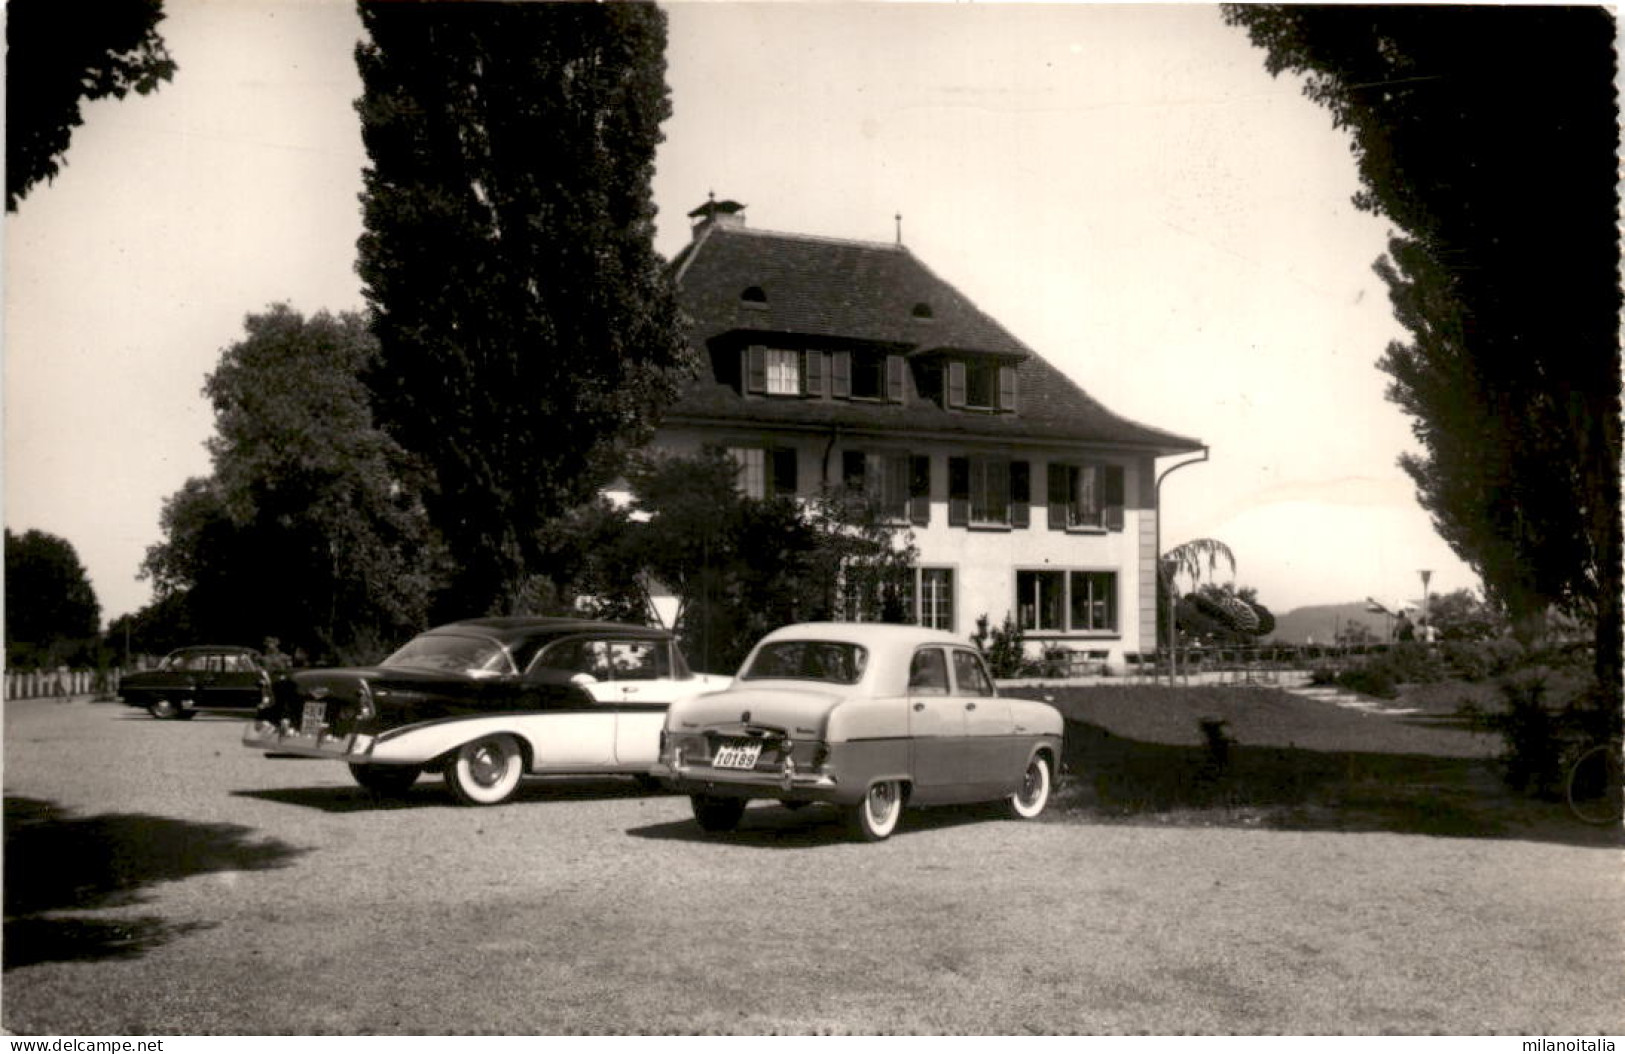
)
(235, 685)
(641, 675)
(988, 732)
(578, 735)
(936, 724)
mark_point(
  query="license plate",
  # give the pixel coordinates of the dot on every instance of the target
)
(315, 718)
(737, 756)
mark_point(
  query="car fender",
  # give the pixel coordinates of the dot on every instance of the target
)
(422, 743)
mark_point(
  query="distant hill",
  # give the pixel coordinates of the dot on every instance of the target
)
(1323, 621)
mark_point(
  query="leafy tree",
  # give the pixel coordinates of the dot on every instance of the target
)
(1488, 135)
(59, 55)
(309, 529)
(1460, 615)
(529, 331)
(741, 567)
(51, 609)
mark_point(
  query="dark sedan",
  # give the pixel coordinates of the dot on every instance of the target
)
(485, 702)
(201, 678)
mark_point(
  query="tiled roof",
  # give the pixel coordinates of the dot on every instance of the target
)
(868, 292)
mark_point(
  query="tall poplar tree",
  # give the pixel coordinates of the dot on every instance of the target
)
(528, 329)
(1489, 136)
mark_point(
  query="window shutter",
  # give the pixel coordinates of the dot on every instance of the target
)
(1060, 487)
(853, 463)
(894, 378)
(1007, 389)
(1114, 497)
(813, 370)
(919, 490)
(956, 384)
(1021, 494)
(782, 470)
(756, 368)
(958, 491)
(840, 375)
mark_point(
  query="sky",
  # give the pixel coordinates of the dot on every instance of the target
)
(1123, 187)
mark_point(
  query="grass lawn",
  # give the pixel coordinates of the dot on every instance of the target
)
(1261, 757)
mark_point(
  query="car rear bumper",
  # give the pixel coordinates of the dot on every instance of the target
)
(354, 747)
(788, 785)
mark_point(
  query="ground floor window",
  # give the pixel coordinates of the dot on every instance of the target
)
(1061, 601)
(935, 605)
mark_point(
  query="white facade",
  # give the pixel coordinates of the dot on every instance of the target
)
(1079, 588)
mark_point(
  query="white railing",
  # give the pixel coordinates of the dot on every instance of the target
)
(46, 684)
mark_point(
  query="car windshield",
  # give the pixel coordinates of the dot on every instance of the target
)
(453, 653)
(808, 660)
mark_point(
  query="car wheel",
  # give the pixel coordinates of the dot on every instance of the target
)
(1029, 801)
(486, 771)
(717, 815)
(876, 816)
(166, 709)
(389, 781)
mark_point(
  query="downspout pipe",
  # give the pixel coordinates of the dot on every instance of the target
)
(1173, 630)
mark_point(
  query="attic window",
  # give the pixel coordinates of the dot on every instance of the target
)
(754, 295)
(923, 312)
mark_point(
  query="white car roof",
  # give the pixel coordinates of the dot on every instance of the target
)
(890, 646)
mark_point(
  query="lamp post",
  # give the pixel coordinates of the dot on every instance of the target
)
(1425, 576)
(1156, 498)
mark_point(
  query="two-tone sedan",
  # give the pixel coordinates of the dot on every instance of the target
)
(486, 701)
(867, 717)
(201, 678)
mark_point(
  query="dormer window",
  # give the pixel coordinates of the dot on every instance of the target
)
(923, 312)
(754, 296)
(981, 384)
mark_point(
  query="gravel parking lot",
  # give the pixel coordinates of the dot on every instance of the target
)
(160, 879)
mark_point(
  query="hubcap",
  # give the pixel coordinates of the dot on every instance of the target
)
(487, 766)
(881, 801)
(1030, 785)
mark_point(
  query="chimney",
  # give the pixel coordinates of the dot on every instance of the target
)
(716, 213)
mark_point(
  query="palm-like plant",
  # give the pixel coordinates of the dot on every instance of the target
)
(1188, 560)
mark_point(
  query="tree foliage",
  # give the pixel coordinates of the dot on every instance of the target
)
(528, 329)
(51, 609)
(741, 567)
(1489, 135)
(309, 528)
(59, 55)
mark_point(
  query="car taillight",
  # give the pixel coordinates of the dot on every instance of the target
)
(364, 710)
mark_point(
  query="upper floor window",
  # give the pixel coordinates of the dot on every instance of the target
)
(899, 484)
(988, 492)
(776, 371)
(1085, 496)
(981, 384)
(765, 473)
(783, 371)
(754, 295)
(867, 375)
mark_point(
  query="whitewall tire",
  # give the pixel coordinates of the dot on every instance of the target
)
(875, 817)
(1036, 784)
(486, 771)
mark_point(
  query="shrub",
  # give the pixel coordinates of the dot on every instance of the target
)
(1002, 647)
(1373, 678)
(1482, 659)
(1532, 752)
(1323, 676)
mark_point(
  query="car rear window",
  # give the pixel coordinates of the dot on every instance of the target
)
(453, 653)
(834, 662)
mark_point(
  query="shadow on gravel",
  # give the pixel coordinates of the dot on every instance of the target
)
(56, 862)
(1221, 782)
(775, 827)
(431, 793)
